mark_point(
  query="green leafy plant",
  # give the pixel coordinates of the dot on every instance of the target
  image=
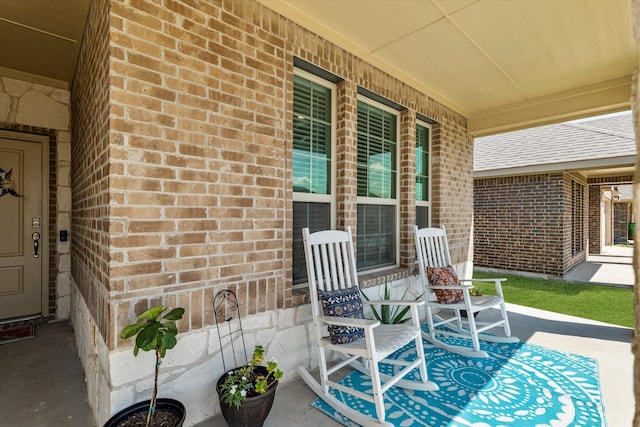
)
(391, 315)
(157, 332)
(475, 292)
(250, 380)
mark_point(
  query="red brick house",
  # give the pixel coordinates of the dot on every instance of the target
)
(545, 197)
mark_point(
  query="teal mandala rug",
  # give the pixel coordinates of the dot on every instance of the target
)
(519, 385)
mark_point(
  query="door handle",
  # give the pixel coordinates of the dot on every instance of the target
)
(36, 243)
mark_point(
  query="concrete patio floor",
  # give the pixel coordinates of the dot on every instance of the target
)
(43, 385)
(608, 344)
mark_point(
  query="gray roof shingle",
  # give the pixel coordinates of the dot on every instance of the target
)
(601, 138)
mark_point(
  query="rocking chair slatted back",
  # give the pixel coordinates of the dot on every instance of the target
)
(334, 264)
(433, 247)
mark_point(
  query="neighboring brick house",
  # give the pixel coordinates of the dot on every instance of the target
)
(546, 197)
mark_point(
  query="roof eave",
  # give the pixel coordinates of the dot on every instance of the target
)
(609, 162)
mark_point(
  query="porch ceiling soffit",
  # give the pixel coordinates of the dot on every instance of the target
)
(503, 65)
(40, 39)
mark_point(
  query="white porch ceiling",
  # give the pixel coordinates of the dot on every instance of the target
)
(504, 64)
(39, 39)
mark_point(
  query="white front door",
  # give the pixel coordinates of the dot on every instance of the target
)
(21, 232)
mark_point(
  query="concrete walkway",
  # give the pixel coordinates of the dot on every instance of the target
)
(612, 267)
(42, 381)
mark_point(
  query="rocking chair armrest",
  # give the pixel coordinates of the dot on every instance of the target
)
(350, 321)
(449, 287)
(416, 303)
(484, 280)
(497, 282)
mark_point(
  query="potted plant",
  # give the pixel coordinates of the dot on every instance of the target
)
(390, 315)
(246, 393)
(153, 331)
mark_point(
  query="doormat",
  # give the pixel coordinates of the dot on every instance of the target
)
(17, 334)
(519, 384)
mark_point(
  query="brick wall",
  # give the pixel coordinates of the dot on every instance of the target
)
(452, 193)
(183, 183)
(620, 222)
(519, 223)
(91, 167)
(595, 199)
(407, 167)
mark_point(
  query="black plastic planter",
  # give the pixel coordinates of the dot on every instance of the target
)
(170, 405)
(253, 410)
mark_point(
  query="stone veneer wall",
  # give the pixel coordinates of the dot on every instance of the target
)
(43, 110)
(523, 223)
(182, 183)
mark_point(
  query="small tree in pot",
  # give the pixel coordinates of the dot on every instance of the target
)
(157, 332)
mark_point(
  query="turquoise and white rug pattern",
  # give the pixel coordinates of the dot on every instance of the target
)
(519, 385)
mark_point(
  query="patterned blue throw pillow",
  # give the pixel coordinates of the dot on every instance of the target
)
(343, 303)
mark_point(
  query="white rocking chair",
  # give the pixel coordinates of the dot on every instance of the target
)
(433, 251)
(331, 270)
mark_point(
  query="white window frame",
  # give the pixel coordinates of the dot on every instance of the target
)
(427, 203)
(321, 198)
(361, 200)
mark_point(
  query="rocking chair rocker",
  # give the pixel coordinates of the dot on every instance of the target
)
(357, 342)
(438, 277)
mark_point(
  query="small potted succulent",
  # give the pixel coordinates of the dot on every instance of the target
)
(153, 331)
(246, 393)
(390, 315)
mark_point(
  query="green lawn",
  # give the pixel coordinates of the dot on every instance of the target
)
(603, 303)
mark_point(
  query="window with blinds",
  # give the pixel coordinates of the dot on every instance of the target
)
(376, 176)
(423, 148)
(311, 137)
(377, 136)
(312, 162)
